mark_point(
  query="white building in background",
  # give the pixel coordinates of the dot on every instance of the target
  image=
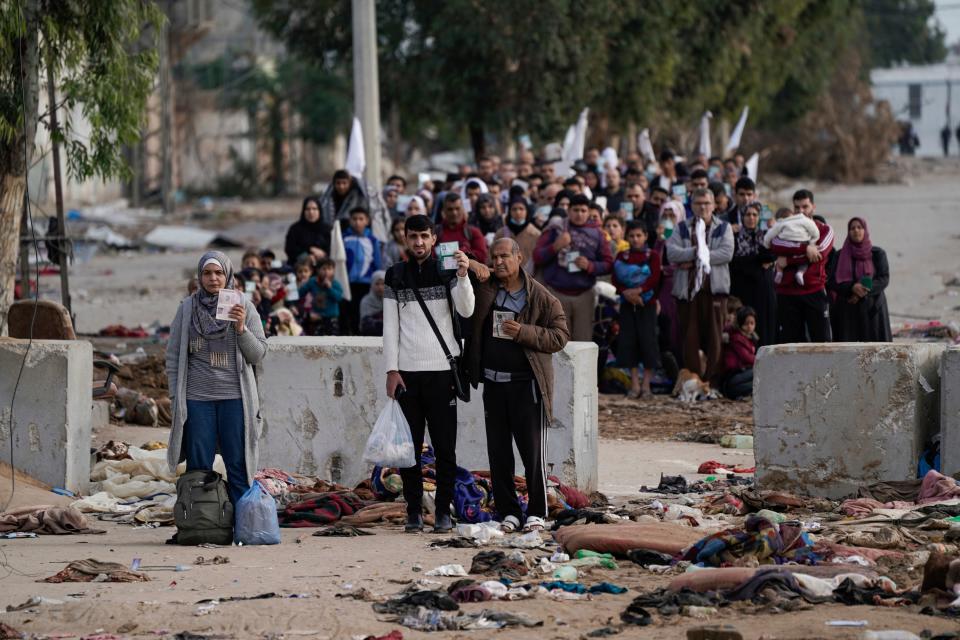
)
(928, 96)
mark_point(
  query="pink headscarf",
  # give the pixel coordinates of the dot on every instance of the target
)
(856, 258)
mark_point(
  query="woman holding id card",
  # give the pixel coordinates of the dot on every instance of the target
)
(216, 338)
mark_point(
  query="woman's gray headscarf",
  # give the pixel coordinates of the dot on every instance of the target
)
(204, 323)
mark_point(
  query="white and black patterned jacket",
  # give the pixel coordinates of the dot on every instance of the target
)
(409, 343)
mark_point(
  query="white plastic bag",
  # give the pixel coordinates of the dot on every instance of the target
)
(390, 443)
(256, 519)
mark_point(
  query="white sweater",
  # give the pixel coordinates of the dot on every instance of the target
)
(795, 228)
(409, 343)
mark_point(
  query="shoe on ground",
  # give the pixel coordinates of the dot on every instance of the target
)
(510, 524)
(443, 523)
(414, 524)
(534, 523)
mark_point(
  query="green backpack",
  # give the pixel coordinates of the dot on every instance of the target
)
(203, 512)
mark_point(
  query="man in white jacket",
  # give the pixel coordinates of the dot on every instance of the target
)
(418, 373)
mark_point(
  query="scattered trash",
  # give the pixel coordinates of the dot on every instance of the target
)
(448, 570)
(17, 534)
(34, 601)
(847, 623)
(90, 570)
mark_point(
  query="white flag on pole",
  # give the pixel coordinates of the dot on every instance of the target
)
(734, 143)
(705, 134)
(752, 165)
(338, 253)
(356, 158)
(646, 146)
(573, 144)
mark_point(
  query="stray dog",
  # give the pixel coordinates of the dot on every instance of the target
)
(691, 388)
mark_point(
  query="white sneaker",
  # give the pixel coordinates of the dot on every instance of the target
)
(534, 523)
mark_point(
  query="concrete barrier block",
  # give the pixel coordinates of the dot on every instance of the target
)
(829, 418)
(320, 398)
(950, 411)
(51, 419)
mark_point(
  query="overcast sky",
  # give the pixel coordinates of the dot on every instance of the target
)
(948, 13)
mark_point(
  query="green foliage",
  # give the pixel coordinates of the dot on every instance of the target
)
(903, 31)
(489, 66)
(103, 55)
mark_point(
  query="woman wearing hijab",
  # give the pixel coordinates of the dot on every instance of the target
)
(212, 385)
(856, 278)
(486, 217)
(309, 235)
(751, 278)
(520, 227)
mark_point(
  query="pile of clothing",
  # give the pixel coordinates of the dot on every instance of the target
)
(758, 540)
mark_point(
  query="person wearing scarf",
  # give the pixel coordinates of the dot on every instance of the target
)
(213, 389)
(701, 249)
(308, 235)
(486, 218)
(856, 279)
(751, 278)
(371, 306)
(520, 227)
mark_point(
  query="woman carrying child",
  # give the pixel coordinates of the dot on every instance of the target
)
(636, 274)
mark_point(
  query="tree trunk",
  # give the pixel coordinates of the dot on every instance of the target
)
(478, 142)
(14, 162)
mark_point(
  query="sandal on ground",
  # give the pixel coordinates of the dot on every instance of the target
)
(534, 523)
(510, 524)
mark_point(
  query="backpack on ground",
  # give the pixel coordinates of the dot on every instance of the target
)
(203, 512)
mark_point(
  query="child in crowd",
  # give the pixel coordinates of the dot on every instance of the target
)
(371, 307)
(394, 249)
(320, 297)
(636, 274)
(739, 355)
(250, 260)
(614, 228)
(363, 258)
(797, 228)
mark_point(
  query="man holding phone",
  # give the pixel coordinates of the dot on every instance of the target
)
(418, 372)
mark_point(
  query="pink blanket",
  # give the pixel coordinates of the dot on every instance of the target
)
(936, 487)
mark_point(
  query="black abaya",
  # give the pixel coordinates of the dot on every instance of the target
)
(867, 320)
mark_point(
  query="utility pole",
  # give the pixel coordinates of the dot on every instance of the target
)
(166, 117)
(366, 85)
(62, 242)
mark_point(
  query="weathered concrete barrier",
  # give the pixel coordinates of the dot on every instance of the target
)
(832, 417)
(51, 417)
(950, 411)
(321, 396)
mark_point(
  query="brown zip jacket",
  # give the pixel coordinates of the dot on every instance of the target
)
(543, 332)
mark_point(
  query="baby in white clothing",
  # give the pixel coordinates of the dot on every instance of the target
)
(794, 228)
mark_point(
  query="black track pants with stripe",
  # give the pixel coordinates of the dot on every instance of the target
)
(514, 412)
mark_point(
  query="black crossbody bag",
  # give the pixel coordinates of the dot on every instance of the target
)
(461, 386)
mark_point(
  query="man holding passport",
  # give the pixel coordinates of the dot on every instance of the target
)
(419, 295)
(517, 325)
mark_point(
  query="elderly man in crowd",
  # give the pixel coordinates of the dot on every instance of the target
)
(517, 325)
(701, 248)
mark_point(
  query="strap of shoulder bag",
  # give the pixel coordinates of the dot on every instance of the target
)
(426, 312)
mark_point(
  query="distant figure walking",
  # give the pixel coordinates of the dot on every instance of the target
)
(945, 139)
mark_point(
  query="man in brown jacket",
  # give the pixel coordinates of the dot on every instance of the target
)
(517, 325)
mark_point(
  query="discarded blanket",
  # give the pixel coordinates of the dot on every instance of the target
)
(935, 487)
(46, 519)
(90, 570)
(324, 509)
(714, 467)
(620, 538)
(498, 563)
(759, 539)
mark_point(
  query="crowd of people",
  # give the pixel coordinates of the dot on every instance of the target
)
(666, 265)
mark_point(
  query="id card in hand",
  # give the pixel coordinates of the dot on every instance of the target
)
(447, 261)
(225, 302)
(572, 261)
(499, 317)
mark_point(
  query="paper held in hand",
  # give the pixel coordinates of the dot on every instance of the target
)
(499, 317)
(572, 266)
(447, 261)
(225, 301)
